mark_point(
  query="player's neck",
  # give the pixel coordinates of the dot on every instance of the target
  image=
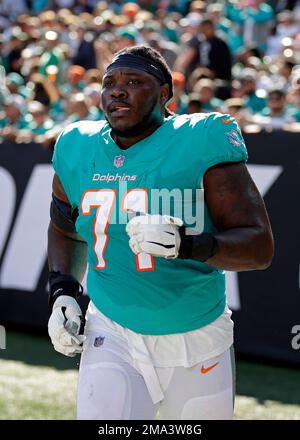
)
(127, 142)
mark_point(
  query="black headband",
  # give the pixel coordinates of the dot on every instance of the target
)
(140, 63)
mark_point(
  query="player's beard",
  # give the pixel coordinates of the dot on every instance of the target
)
(148, 120)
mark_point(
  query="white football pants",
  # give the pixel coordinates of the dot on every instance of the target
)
(110, 388)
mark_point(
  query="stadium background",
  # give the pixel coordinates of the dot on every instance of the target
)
(52, 56)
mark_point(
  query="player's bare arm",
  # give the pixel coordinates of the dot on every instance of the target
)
(243, 240)
(244, 237)
(66, 250)
(67, 264)
(185, 59)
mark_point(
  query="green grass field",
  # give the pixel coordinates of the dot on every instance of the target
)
(38, 383)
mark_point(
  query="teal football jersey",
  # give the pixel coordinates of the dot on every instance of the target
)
(146, 294)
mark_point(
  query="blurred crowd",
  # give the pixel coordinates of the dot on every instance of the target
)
(237, 57)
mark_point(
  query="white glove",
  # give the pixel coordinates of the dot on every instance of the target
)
(64, 326)
(156, 235)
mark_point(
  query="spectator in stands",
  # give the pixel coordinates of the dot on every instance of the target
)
(293, 97)
(255, 17)
(52, 55)
(14, 82)
(126, 37)
(17, 44)
(93, 92)
(178, 102)
(48, 20)
(170, 29)
(47, 93)
(168, 49)
(85, 54)
(39, 120)
(189, 57)
(130, 10)
(43, 90)
(206, 89)
(147, 26)
(93, 76)
(82, 6)
(38, 6)
(4, 92)
(13, 119)
(194, 104)
(75, 76)
(222, 25)
(12, 8)
(209, 51)
(214, 52)
(246, 52)
(79, 108)
(285, 70)
(274, 43)
(71, 48)
(277, 113)
(236, 108)
(286, 26)
(196, 75)
(255, 99)
(181, 6)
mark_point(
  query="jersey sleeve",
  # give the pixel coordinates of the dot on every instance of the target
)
(61, 160)
(224, 141)
(73, 155)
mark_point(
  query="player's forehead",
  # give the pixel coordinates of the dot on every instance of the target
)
(127, 72)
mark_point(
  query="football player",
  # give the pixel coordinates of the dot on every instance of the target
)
(158, 333)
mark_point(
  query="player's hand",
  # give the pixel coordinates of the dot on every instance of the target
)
(64, 326)
(156, 235)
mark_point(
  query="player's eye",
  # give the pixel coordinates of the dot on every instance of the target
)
(134, 82)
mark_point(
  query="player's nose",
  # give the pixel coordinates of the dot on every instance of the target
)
(118, 92)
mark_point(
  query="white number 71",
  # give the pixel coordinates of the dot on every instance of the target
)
(103, 200)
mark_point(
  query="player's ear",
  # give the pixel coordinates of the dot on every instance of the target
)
(164, 94)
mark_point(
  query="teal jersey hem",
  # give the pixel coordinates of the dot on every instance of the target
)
(167, 330)
(164, 327)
